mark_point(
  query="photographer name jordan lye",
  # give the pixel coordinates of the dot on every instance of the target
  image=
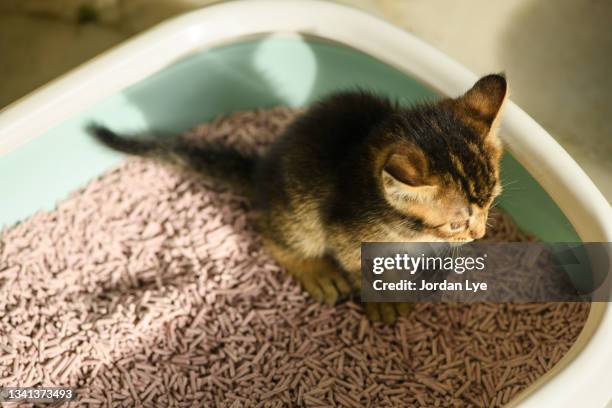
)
(403, 264)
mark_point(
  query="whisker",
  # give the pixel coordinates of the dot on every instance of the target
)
(514, 189)
(509, 183)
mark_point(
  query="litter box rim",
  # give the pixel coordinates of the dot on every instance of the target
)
(583, 371)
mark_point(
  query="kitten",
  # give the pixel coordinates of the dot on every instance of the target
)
(358, 167)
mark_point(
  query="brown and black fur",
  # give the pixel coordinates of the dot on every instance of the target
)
(358, 167)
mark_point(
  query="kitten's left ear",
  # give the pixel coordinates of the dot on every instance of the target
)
(406, 175)
(484, 102)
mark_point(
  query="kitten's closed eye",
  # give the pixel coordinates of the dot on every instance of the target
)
(456, 226)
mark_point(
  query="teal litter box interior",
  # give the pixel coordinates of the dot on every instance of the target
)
(249, 74)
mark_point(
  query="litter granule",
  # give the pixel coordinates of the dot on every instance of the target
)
(149, 287)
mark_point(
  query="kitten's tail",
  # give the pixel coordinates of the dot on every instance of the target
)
(215, 161)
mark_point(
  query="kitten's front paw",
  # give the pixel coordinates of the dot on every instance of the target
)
(387, 312)
(326, 285)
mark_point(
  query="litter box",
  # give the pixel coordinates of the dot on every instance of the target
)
(245, 55)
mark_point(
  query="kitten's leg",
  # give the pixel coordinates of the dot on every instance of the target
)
(387, 312)
(321, 277)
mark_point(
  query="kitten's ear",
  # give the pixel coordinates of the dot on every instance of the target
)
(484, 102)
(406, 175)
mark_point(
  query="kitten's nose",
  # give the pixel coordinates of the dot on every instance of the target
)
(478, 223)
(477, 231)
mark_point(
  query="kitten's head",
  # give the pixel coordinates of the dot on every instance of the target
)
(441, 164)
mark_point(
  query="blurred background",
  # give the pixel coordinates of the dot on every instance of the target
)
(556, 54)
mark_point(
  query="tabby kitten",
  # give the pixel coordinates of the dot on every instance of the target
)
(358, 167)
